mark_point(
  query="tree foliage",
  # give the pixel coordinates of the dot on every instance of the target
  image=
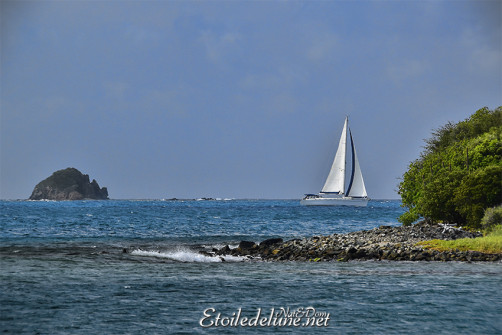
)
(492, 219)
(459, 173)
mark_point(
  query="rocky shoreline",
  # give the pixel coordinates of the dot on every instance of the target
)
(383, 243)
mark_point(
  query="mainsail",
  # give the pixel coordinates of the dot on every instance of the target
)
(335, 183)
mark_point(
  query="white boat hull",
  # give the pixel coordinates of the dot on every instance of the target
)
(345, 201)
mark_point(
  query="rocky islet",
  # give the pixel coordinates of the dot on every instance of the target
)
(68, 184)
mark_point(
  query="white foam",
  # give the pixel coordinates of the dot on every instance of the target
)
(230, 258)
(219, 246)
(187, 256)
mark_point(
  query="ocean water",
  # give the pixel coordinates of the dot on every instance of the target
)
(130, 267)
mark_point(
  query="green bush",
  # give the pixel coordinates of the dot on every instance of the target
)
(408, 218)
(458, 175)
(492, 218)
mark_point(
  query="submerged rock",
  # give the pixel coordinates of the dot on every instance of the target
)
(68, 184)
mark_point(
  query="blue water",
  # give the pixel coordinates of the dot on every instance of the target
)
(64, 271)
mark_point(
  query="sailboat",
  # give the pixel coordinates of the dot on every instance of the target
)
(334, 192)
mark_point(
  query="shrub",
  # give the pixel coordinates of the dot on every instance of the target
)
(492, 218)
(458, 175)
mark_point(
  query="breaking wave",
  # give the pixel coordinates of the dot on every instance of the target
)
(187, 256)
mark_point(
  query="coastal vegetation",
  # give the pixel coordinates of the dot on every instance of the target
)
(458, 176)
(491, 243)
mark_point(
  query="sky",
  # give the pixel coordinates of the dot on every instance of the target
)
(234, 99)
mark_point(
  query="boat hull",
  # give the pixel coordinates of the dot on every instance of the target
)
(345, 201)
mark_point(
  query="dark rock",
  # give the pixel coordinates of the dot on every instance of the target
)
(244, 245)
(223, 251)
(270, 242)
(68, 184)
(360, 253)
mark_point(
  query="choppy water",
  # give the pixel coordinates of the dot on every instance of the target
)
(63, 271)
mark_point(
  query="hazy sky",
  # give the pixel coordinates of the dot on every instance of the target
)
(163, 99)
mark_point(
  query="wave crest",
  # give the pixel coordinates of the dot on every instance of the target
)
(187, 256)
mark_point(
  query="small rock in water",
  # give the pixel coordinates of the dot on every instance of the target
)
(246, 245)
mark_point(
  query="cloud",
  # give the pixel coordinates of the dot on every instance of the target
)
(322, 47)
(261, 81)
(139, 35)
(282, 103)
(172, 102)
(156, 102)
(481, 55)
(406, 69)
(219, 46)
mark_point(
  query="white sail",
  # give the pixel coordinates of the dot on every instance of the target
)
(335, 183)
(333, 192)
(356, 186)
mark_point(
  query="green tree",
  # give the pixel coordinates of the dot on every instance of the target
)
(478, 191)
(459, 173)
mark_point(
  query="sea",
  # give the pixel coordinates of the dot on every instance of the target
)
(135, 267)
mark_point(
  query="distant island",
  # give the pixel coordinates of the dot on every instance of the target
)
(68, 184)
